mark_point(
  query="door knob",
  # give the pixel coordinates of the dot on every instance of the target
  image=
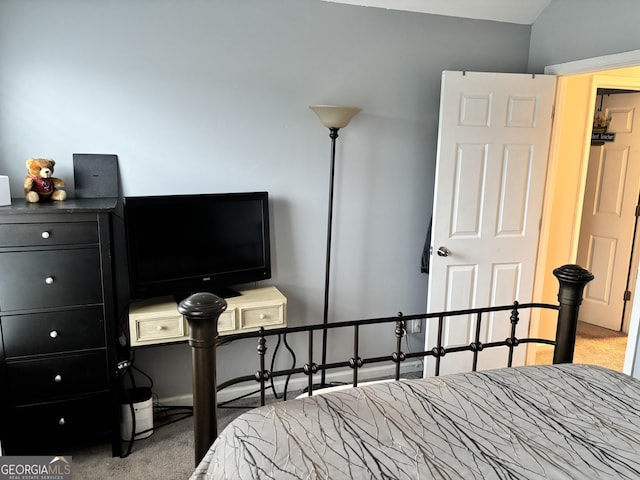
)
(443, 252)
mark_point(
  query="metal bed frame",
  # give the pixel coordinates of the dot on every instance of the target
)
(203, 309)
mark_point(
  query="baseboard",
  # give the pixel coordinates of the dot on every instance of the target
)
(299, 383)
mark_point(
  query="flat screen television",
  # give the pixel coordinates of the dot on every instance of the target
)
(182, 244)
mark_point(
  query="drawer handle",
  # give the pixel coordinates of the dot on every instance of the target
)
(57, 378)
(160, 328)
(53, 334)
(62, 421)
(45, 234)
(48, 280)
(262, 316)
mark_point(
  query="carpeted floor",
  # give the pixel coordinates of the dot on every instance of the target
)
(594, 346)
(168, 453)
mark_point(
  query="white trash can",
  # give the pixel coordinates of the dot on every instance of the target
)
(141, 400)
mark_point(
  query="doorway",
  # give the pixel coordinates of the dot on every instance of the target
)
(566, 180)
(606, 243)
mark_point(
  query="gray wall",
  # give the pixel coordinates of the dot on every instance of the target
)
(212, 96)
(570, 30)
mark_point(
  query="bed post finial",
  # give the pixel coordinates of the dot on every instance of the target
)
(573, 279)
(202, 311)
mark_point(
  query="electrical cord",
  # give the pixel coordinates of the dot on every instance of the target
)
(125, 369)
(409, 349)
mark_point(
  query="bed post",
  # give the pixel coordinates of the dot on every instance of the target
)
(202, 311)
(573, 279)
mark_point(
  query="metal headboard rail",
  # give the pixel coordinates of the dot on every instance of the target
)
(203, 309)
(355, 362)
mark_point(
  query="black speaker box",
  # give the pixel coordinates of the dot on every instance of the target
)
(96, 175)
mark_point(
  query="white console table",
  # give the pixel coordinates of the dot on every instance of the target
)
(156, 321)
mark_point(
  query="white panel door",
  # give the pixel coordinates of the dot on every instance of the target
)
(491, 164)
(608, 215)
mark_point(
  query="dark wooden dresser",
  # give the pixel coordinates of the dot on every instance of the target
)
(63, 289)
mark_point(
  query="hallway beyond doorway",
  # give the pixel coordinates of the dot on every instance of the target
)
(594, 345)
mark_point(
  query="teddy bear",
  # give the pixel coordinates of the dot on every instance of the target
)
(40, 184)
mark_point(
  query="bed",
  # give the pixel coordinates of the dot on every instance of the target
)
(548, 422)
(552, 421)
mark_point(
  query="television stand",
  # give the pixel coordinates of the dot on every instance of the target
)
(157, 320)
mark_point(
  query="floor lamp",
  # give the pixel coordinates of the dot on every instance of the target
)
(333, 117)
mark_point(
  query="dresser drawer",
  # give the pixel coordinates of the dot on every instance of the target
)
(43, 379)
(32, 235)
(43, 333)
(52, 428)
(50, 278)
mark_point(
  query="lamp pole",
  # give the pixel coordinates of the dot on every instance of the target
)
(334, 118)
(333, 135)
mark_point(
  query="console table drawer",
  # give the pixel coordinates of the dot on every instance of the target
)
(50, 278)
(41, 234)
(157, 329)
(42, 333)
(34, 381)
(227, 321)
(172, 328)
(261, 316)
(158, 321)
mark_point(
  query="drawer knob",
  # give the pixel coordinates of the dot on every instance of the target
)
(262, 316)
(160, 328)
(48, 280)
(57, 378)
(53, 334)
(61, 421)
(45, 234)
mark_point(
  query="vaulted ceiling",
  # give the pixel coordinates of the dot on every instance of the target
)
(512, 11)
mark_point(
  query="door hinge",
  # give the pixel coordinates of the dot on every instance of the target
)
(637, 210)
(627, 295)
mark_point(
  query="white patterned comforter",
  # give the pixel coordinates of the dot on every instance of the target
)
(546, 422)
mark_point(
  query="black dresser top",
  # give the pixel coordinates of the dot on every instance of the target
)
(19, 206)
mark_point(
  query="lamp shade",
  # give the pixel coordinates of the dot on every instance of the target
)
(335, 116)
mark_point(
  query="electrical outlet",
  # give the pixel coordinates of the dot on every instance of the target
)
(414, 326)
